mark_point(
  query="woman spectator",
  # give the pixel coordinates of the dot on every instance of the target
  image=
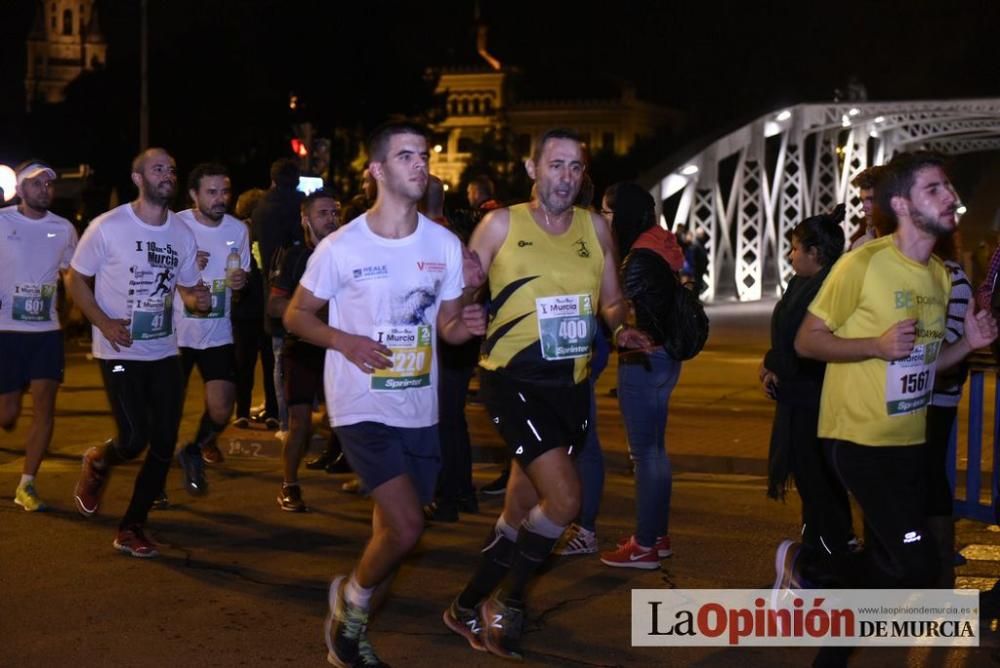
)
(795, 383)
(647, 377)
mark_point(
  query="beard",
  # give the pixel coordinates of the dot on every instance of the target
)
(161, 193)
(931, 225)
(213, 213)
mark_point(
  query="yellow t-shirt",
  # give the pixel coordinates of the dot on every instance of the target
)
(544, 292)
(874, 402)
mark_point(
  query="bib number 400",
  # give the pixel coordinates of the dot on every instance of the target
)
(915, 382)
(573, 330)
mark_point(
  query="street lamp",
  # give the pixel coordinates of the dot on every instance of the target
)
(8, 181)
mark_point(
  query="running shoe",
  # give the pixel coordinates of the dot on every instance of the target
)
(465, 622)
(576, 540)
(344, 628)
(90, 486)
(194, 472)
(662, 546)
(133, 541)
(211, 454)
(241, 423)
(367, 658)
(290, 499)
(501, 628)
(26, 497)
(632, 555)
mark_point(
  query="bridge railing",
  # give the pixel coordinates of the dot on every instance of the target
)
(977, 471)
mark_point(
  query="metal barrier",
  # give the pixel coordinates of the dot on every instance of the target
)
(971, 507)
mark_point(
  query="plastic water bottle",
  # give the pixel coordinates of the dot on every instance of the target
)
(232, 264)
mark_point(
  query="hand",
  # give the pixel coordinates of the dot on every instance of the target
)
(472, 268)
(897, 341)
(237, 279)
(365, 353)
(630, 337)
(201, 259)
(980, 328)
(117, 333)
(202, 298)
(474, 319)
(770, 382)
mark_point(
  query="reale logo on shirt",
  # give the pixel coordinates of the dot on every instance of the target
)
(370, 272)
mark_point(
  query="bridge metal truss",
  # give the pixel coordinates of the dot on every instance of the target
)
(748, 189)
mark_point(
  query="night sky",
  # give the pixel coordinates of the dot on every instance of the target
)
(221, 70)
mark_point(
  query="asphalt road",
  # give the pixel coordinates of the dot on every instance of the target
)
(241, 583)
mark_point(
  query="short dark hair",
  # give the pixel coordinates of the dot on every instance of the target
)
(378, 140)
(139, 161)
(896, 179)
(202, 170)
(308, 200)
(554, 133)
(824, 233)
(484, 184)
(867, 178)
(285, 173)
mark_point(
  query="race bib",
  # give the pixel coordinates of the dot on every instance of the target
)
(566, 326)
(910, 381)
(218, 309)
(152, 323)
(33, 302)
(412, 353)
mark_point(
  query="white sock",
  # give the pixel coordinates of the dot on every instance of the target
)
(25, 479)
(358, 595)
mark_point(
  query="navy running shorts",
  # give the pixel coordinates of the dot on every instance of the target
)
(28, 356)
(378, 453)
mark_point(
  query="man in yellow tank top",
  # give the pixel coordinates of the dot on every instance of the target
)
(879, 320)
(552, 271)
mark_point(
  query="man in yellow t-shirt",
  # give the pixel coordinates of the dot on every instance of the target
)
(879, 321)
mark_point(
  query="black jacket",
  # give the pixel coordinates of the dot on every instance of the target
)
(649, 283)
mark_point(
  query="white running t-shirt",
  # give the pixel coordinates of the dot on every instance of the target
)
(214, 329)
(31, 254)
(136, 268)
(388, 290)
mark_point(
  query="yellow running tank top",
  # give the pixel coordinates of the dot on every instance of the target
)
(544, 292)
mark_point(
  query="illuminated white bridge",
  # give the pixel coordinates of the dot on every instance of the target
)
(750, 187)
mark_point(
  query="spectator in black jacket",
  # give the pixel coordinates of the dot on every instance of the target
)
(796, 383)
(276, 226)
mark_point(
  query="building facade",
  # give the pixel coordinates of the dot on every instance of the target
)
(65, 41)
(480, 101)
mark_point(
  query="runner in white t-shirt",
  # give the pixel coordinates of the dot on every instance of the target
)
(206, 341)
(35, 247)
(394, 282)
(123, 276)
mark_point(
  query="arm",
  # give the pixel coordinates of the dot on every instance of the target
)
(613, 305)
(456, 323)
(197, 298)
(980, 331)
(815, 341)
(277, 304)
(488, 236)
(300, 319)
(81, 289)
(984, 293)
